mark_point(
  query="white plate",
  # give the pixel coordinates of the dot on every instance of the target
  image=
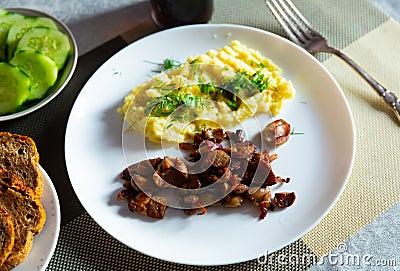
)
(45, 243)
(318, 162)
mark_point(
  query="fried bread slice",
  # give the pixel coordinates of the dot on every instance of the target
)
(7, 235)
(27, 215)
(18, 154)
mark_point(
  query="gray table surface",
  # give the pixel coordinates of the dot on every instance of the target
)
(78, 13)
(391, 7)
(379, 240)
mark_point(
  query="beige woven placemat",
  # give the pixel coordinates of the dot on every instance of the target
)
(374, 184)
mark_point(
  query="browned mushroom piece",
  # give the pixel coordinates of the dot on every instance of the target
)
(240, 136)
(190, 199)
(193, 182)
(233, 201)
(187, 146)
(276, 133)
(160, 181)
(243, 150)
(144, 168)
(197, 211)
(170, 172)
(240, 189)
(284, 199)
(144, 205)
(204, 147)
(262, 194)
(259, 173)
(235, 173)
(265, 206)
(262, 199)
(217, 158)
(126, 195)
(138, 182)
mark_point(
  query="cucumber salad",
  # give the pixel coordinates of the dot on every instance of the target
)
(32, 52)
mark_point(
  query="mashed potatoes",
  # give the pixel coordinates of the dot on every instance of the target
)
(218, 89)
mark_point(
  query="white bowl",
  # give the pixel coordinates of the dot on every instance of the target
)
(65, 73)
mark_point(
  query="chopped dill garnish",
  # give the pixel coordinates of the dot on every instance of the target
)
(200, 128)
(296, 133)
(166, 104)
(229, 90)
(170, 63)
(258, 79)
(130, 126)
(167, 64)
(196, 60)
(224, 92)
(238, 84)
(186, 117)
(206, 88)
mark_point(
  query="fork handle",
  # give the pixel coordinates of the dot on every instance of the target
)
(388, 97)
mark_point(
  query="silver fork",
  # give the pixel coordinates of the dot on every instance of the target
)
(302, 33)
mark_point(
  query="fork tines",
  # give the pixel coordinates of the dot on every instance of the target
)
(293, 22)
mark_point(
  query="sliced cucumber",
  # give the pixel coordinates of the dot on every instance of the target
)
(5, 23)
(18, 29)
(3, 11)
(41, 70)
(49, 42)
(15, 86)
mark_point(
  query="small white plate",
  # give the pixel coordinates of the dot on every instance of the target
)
(45, 243)
(319, 161)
